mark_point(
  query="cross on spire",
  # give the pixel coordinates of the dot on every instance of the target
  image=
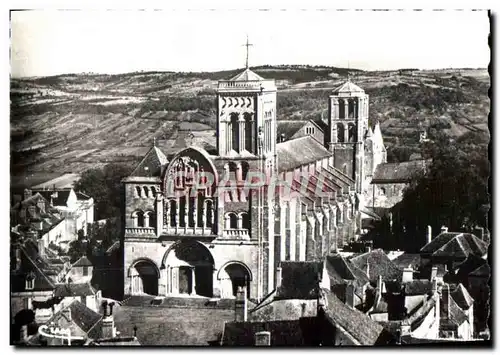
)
(247, 45)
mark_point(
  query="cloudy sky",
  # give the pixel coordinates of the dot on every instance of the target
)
(55, 42)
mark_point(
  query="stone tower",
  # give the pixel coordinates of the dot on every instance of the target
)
(347, 125)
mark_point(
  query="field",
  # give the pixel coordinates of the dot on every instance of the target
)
(71, 123)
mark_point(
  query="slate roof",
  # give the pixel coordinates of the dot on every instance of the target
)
(483, 271)
(152, 164)
(299, 280)
(341, 270)
(321, 123)
(74, 289)
(58, 198)
(84, 321)
(417, 287)
(380, 264)
(458, 245)
(289, 127)
(402, 172)
(348, 88)
(247, 75)
(456, 316)
(461, 296)
(473, 265)
(83, 261)
(310, 151)
(406, 260)
(283, 333)
(357, 324)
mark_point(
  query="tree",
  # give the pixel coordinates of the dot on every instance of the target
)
(105, 186)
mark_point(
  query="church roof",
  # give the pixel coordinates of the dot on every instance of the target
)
(247, 75)
(462, 296)
(289, 127)
(399, 172)
(348, 88)
(151, 164)
(310, 151)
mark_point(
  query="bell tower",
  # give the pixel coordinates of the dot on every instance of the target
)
(347, 125)
(246, 117)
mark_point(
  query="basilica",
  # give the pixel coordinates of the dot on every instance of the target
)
(192, 239)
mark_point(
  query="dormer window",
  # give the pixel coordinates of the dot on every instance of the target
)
(30, 281)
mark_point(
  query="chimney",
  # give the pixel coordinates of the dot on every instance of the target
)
(434, 272)
(349, 295)
(263, 339)
(241, 304)
(429, 234)
(23, 335)
(108, 321)
(41, 248)
(407, 274)
(444, 229)
(27, 193)
(445, 300)
(67, 313)
(278, 276)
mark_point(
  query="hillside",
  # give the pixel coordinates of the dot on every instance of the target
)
(75, 122)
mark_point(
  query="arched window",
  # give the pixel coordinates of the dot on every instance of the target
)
(340, 133)
(150, 219)
(248, 132)
(235, 132)
(245, 220)
(342, 113)
(352, 132)
(138, 217)
(231, 220)
(138, 191)
(344, 169)
(351, 108)
(153, 191)
(146, 191)
(173, 213)
(209, 205)
(382, 190)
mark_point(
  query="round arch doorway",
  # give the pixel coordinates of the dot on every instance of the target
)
(144, 277)
(233, 275)
(189, 269)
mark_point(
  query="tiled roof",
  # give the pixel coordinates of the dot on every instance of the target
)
(406, 260)
(152, 164)
(310, 151)
(247, 75)
(348, 88)
(461, 296)
(74, 289)
(340, 270)
(84, 321)
(379, 264)
(456, 316)
(289, 127)
(83, 261)
(283, 333)
(355, 323)
(299, 279)
(417, 287)
(455, 245)
(399, 172)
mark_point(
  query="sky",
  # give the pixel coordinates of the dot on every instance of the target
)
(50, 42)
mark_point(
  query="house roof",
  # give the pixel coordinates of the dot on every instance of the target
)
(456, 316)
(407, 259)
(483, 271)
(57, 198)
(289, 127)
(455, 245)
(83, 261)
(402, 172)
(282, 333)
(152, 164)
(320, 123)
(341, 270)
(83, 320)
(74, 289)
(246, 75)
(357, 324)
(348, 88)
(310, 151)
(461, 296)
(473, 265)
(299, 279)
(417, 287)
(379, 264)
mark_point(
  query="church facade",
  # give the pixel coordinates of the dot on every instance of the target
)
(203, 224)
